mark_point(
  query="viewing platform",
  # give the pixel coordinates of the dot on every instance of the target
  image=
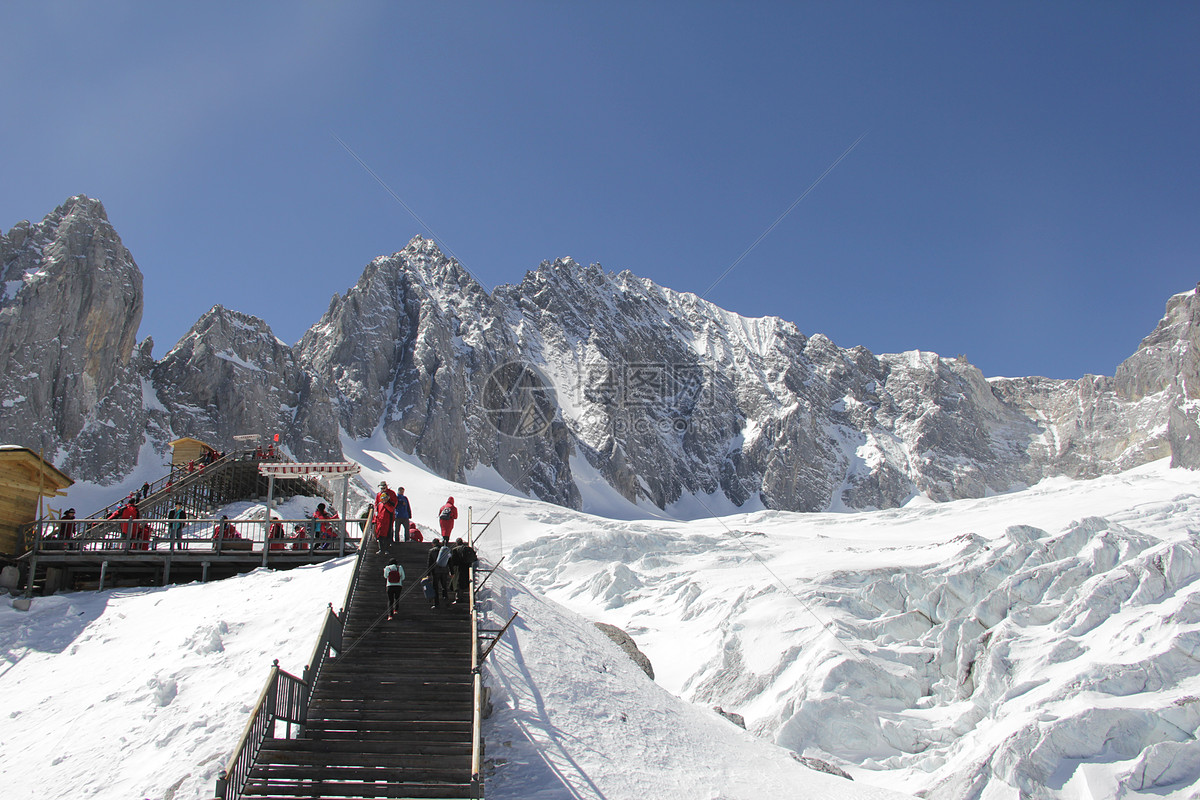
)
(172, 533)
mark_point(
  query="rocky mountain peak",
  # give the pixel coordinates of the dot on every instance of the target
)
(1169, 358)
(230, 375)
(661, 394)
(69, 314)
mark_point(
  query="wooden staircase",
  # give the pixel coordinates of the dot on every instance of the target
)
(390, 716)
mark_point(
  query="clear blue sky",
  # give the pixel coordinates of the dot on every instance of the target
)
(1027, 192)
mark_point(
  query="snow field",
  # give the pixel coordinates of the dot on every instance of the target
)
(144, 692)
(935, 649)
(1042, 644)
(575, 717)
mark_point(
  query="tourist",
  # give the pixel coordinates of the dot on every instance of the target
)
(393, 577)
(446, 516)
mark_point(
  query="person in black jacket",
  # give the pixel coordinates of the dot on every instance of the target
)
(463, 557)
(439, 570)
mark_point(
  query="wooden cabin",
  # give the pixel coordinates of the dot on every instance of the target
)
(23, 476)
(188, 449)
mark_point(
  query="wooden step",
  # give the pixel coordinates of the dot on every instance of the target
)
(353, 766)
(409, 746)
(390, 715)
(358, 791)
(432, 733)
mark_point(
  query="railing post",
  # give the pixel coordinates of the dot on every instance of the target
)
(476, 688)
(267, 531)
(272, 700)
(345, 496)
(37, 546)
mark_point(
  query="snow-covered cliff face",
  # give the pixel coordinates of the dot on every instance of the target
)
(666, 397)
(409, 350)
(230, 375)
(73, 383)
(69, 314)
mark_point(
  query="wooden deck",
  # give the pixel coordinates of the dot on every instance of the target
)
(120, 566)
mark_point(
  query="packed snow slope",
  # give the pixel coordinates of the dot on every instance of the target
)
(1042, 644)
(144, 692)
(1039, 644)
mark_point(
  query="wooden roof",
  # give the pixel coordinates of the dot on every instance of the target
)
(20, 468)
(190, 440)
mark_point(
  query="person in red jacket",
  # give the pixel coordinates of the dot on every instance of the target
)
(277, 536)
(414, 533)
(324, 529)
(446, 516)
(225, 530)
(385, 512)
(129, 529)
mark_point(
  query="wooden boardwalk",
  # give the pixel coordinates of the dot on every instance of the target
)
(102, 554)
(391, 715)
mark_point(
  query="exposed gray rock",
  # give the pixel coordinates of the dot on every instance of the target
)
(662, 394)
(69, 314)
(230, 375)
(1184, 437)
(736, 719)
(626, 643)
(409, 350)
(822, 766)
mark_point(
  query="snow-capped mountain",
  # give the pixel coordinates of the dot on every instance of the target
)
(611, 381)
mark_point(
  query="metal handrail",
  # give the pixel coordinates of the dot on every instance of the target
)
(172, 484)
(232, 780)
(283, 698)
(330, 639)
(177, 480)
(362, 548)
(115, 540)
(477, 699)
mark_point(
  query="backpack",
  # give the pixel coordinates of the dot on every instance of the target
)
(443, 556)
(393, 575)
(447, 512)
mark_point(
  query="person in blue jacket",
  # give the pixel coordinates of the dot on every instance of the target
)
(402, 516)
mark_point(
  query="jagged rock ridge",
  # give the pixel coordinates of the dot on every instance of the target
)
(662, 394)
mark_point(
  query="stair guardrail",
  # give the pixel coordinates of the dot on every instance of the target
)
(284, 698)
(209, 485)
(363, 544)
(118, 535)
(477, 698)
(330, 639)
(297, 691)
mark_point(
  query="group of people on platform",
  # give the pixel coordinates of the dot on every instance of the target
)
(392, 522)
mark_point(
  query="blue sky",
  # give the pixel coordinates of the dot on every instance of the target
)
(1027, 192)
